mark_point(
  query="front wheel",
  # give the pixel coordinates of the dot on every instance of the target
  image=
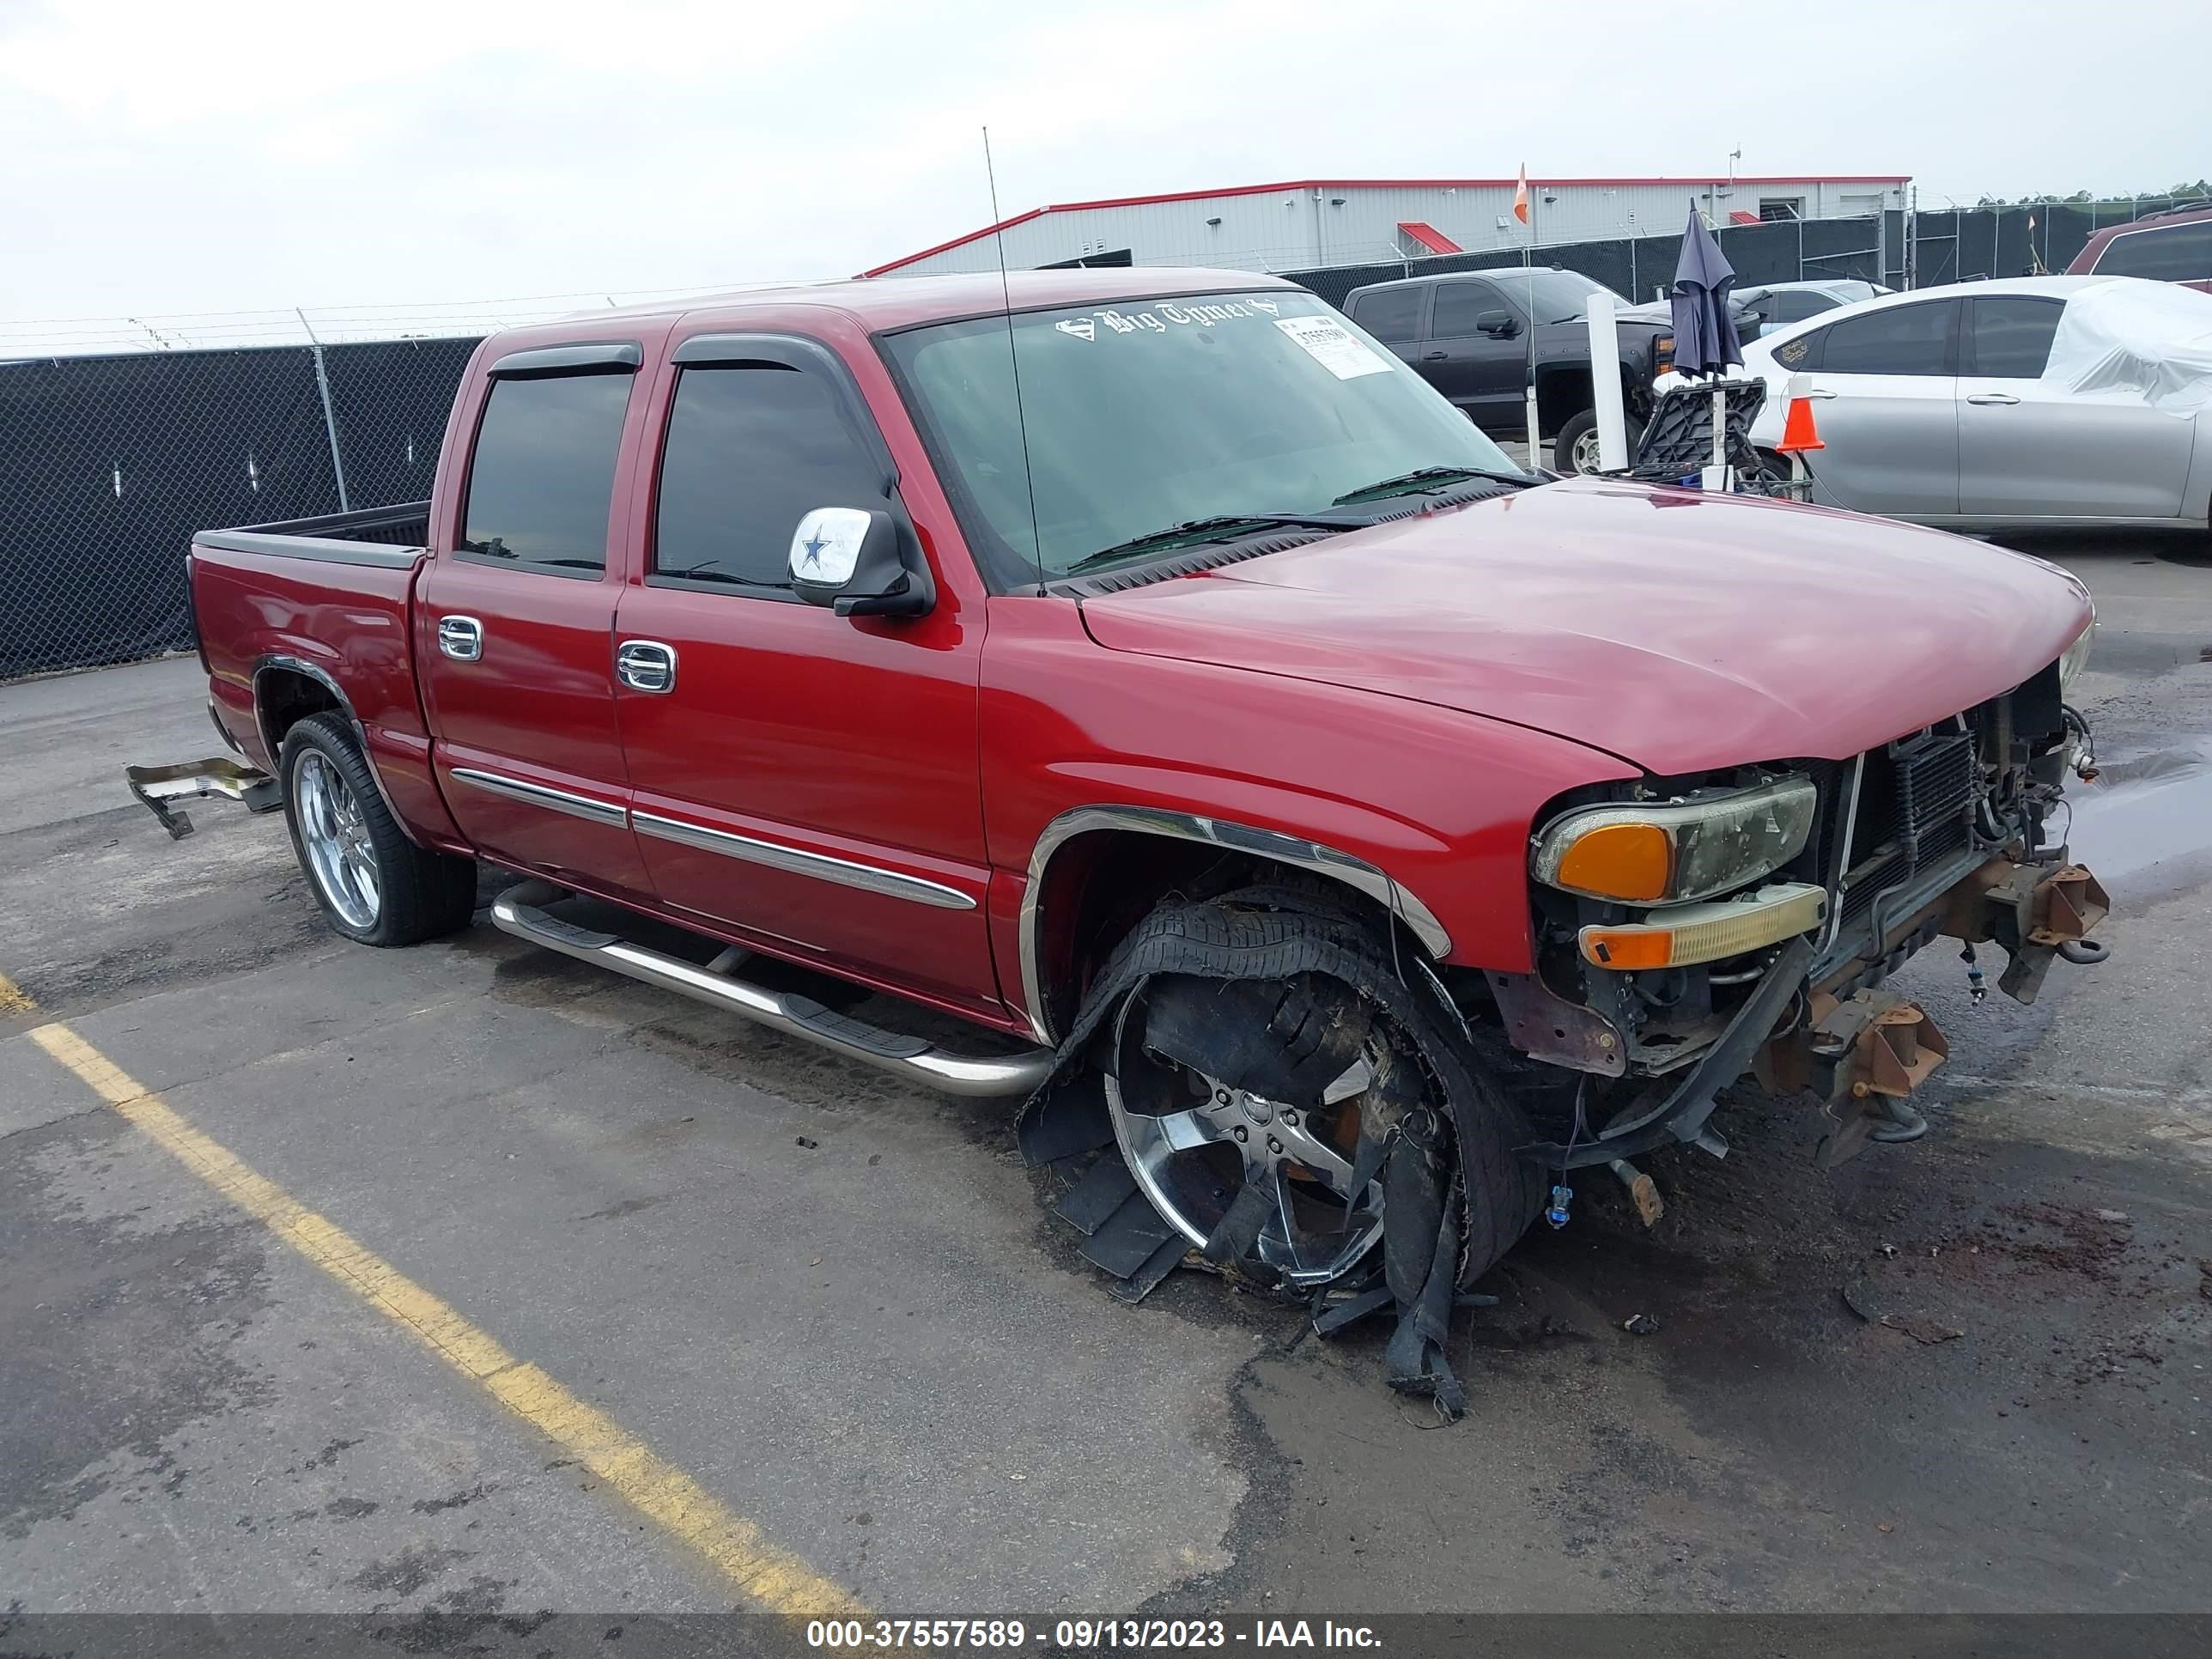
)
(1575, 450)
(1253, 1113)
(374, 884)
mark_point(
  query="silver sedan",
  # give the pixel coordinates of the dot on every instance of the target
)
(1944, 405)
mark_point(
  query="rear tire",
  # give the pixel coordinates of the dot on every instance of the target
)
(375, 885)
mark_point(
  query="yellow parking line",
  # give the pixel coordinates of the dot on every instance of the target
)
(13, 1000)
(768, 1577)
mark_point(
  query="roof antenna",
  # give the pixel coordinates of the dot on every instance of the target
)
(1014, 360)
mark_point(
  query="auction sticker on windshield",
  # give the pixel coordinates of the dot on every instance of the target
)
(1327, 344)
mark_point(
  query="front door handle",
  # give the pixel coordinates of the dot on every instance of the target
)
(646, 666)
(460, 638)
(1434, 357)
(1992, 397)
(1821, 392)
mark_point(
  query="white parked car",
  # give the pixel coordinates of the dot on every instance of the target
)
(2034, 401)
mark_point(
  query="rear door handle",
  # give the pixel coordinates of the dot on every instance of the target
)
(1434, 357)
(1819, 392)
(460, 638)
(646, 666)
(1992, 397)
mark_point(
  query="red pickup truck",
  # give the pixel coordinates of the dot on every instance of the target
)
(1317, 817)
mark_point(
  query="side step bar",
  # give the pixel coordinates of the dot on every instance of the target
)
(519, 911)
(157, 785)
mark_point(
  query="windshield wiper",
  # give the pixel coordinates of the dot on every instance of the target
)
(1196, 531)
(1425, 478)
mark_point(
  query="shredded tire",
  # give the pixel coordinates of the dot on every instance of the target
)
(1287, 963)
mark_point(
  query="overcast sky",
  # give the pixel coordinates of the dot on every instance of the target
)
(220, 155)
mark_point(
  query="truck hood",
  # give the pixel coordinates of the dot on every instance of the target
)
(1675, 630)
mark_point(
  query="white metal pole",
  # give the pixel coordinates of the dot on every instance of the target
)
(1605, 385)
(1529, 266)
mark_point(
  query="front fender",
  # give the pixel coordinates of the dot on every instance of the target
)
(1427, 809)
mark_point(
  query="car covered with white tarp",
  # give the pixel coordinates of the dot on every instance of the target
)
(2035, 402)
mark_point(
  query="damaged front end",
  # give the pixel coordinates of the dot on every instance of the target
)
(1690, 930)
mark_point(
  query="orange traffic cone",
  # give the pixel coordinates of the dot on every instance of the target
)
(1797, 433)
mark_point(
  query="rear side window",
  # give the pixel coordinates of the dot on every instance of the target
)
(1896, 340)
(2012, 337)
(1457, 306)
(752, 448)
(542, 477)
(2171, 253)
(1796, 308)
(1391, 314)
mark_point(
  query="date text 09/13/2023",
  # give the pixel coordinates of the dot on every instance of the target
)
(1086, 1635)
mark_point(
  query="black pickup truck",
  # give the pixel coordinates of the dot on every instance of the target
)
(1467, 334)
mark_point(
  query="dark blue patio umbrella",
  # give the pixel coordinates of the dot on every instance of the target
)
(1704, 333)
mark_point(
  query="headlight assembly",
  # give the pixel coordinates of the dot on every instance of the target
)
(1674, 852)
(2072, 660)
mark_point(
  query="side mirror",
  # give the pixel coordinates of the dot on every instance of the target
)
(848, 559)
(1499, 325)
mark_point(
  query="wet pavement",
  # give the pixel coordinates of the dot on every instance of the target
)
(1967, 1374)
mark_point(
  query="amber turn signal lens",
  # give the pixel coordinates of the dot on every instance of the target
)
(1684, 934)
(1632, 861)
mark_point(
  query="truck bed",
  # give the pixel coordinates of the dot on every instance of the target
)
(395, 536)
(323, 605)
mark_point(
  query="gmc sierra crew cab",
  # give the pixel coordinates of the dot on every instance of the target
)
(1338, 837)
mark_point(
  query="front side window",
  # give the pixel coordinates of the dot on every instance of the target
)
(1456, 308)
(2170, 253)
(2012, 337)
(542, 479)
(1154, 413)
(1390, 314)
(752, 448)
(1912, 339)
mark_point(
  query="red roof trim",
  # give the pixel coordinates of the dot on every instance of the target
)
(963, 241)
(1429, 236)
(1692, 182)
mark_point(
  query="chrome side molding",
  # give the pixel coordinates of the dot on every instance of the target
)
(538, 794)
(845, 873)
(519, 911)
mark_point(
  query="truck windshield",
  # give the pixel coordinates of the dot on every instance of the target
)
(1558, 296)
(1155, 413)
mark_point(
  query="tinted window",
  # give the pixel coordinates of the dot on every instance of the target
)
(1796, 308)
(2172, 253)
(2012, 337)
(1803, 352)
(1457, 306)
(751, 452)
(1390, 314)
(544, 472)
(1897, 340)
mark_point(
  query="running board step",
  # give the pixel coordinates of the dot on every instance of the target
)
(519, 911)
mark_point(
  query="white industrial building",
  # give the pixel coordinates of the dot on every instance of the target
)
(1311, 223)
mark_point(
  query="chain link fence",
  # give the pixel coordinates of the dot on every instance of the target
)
(109, 465)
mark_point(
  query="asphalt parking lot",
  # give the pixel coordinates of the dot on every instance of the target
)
(833, 1309)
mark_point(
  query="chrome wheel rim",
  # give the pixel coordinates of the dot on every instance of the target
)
(1585, 452)
(1194, 1142)
(336, 836)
